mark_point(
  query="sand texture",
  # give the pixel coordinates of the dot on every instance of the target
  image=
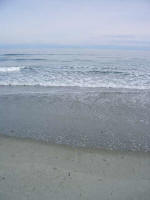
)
(31, 170)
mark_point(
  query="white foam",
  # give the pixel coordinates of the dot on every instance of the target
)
(9, 69)
(15, 83)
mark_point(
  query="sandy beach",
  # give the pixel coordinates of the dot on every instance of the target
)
(74, 100)
(37, 170)
(74, 143)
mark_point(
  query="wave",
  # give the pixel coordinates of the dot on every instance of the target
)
(81, 85)
(16, 54)
(30, 54)
(9, 69)
(109, 72)
(28, 59)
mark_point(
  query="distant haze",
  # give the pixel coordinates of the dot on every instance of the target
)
(75, 22)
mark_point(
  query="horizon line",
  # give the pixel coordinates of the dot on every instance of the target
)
(119, 47)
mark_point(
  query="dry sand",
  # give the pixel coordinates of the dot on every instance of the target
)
(31, 170)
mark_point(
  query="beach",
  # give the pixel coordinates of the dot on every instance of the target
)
(39, 170)
(74, 143)
(74, 100)
(74, 124)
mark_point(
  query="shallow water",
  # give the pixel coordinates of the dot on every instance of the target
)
(117, 119)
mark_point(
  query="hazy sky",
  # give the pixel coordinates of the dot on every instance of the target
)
(75, 22)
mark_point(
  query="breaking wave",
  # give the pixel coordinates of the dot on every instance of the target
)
(9, 69)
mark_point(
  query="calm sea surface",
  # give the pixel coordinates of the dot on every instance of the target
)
(75, 67)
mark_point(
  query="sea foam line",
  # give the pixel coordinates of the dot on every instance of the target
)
(9, 69)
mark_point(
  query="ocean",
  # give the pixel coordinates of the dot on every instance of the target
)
(78, 97)
(75, 67)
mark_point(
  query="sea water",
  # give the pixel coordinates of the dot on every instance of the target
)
(75, 67)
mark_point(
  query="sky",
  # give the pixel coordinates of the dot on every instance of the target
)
(75, 22)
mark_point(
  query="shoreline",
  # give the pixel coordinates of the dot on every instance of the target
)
(72, 148)
(36, 170)
(45, 88)
(94, 118)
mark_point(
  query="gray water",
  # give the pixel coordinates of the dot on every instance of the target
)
(117, 119)
(108, 108)
(75, 67)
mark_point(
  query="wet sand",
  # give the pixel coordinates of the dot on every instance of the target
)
(38, 170)
(117, 119)
(74, 143)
